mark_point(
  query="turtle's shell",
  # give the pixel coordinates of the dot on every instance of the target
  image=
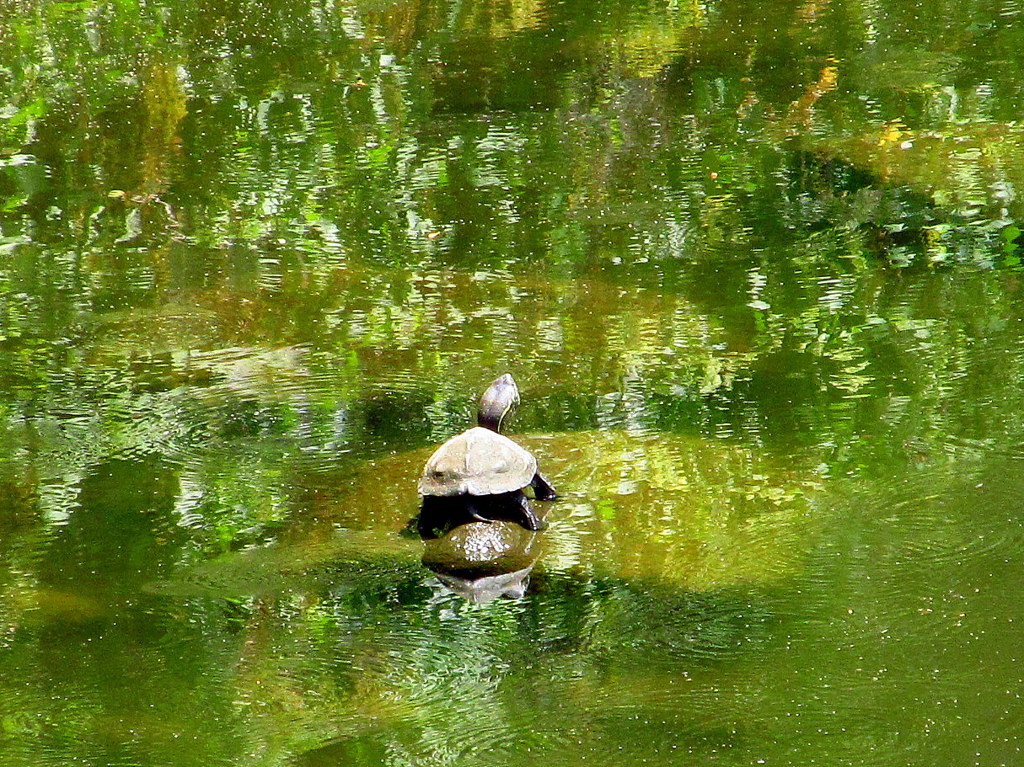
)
(478, 462)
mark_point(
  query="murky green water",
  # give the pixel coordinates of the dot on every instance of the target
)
(755, 266)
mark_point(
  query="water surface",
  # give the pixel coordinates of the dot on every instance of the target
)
(755, 267)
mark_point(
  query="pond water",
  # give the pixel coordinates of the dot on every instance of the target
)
(755, 267)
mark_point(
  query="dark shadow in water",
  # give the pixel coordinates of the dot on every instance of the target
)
(360, 750)
(441, 514)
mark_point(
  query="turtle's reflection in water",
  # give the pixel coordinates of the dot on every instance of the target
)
(482, 561)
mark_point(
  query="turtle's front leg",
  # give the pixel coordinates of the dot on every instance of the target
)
(474, 512)
(529, 518)
(542, 489)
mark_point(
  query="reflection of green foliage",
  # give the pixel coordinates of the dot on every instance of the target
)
(253, 251)
(369, 227)
(404, 664)
(363, 160)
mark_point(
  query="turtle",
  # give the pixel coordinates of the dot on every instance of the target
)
(481, 473)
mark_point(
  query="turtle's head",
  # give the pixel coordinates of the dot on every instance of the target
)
(499, 399)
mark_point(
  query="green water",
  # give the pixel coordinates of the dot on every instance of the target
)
(755, 266)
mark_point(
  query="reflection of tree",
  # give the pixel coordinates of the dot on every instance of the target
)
(249, 250)
(370, 162)
(336, 237)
